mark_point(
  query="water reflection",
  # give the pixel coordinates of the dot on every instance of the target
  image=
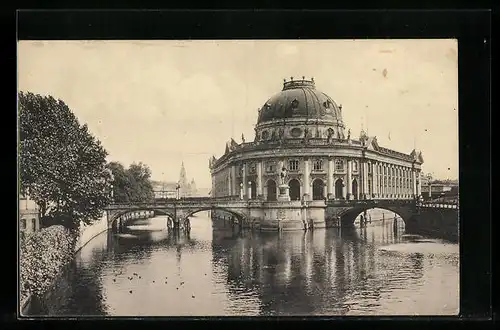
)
(361, 271)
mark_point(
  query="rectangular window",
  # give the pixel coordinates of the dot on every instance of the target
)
(271, 167)
(293, 165)
(354, 166)
(339, 165)
(318, 165)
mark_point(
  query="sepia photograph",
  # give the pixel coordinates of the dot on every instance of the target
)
(238, 178)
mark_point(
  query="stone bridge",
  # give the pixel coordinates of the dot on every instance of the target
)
(178, 211)
(426, 218)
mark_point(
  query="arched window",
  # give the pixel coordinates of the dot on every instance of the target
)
(339, 165)
(33, 224)
(23, 224)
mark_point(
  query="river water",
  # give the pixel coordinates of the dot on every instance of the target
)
(145, 271)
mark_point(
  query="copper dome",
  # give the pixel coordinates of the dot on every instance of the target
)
(300, 99)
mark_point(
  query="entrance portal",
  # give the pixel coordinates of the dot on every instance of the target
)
(339, 189)
(318, 189)
(271, 191)
(253, 190)
(294, 185)
(355, 189)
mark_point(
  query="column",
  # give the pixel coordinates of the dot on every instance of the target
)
(348, 183)
(396, 184)
(307, 184)
(329, 179)
(249, 190)
(235, 188)
(384, 176)
(244, 179)
(391, 180)
(414, 179)
(361, 190)
(325, 191)
(365, 179)
(419, 185)
(228, 176)
(375, 179)
(404, 181)
(259, 179)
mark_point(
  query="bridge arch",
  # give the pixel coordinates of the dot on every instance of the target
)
(349, 215)
(118, 214)
(241, 217)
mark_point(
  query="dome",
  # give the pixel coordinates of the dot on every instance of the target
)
(300, 99)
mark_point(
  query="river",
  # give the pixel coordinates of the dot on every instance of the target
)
(145, 271)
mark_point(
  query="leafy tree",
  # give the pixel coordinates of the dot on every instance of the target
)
(62, 166)
(132, 184)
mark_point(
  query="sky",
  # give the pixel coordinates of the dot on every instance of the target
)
(167, 102)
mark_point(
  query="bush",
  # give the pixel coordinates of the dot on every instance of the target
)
(42, 257)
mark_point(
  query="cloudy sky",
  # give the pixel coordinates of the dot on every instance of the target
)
(164, 102)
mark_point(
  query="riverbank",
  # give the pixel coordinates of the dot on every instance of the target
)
(45, 253)
(42, 256)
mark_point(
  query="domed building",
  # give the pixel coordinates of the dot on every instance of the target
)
(302, 144)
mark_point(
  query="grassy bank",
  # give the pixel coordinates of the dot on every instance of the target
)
(43, 255)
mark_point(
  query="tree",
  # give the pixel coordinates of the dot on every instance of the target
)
(62, 166)
(132, 184)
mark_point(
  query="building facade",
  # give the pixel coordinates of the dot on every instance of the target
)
(29, 217)
(302, 141)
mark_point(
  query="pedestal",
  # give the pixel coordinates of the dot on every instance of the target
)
(284, 195)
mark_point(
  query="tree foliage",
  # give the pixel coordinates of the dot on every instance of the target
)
(132, 184)
(62, 166)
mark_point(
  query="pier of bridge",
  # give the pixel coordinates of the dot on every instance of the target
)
(426, 218)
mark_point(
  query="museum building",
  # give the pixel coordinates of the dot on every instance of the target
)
(301, 140)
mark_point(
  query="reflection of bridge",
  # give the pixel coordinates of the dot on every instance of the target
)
(265, 215)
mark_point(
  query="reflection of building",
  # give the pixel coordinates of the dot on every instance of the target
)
(301, 129)
(28, 215)
(169, 189)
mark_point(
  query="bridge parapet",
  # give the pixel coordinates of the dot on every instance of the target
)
(371, 202)
(450, 205)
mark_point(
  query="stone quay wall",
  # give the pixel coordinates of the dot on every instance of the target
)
(88, 232)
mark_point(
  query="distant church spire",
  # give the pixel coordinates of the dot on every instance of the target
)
(182, 176)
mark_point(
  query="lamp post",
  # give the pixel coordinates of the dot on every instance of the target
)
(429, 179)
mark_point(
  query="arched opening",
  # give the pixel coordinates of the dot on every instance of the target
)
(294, 191)
(318, 189)
(355, 189)
(382, 221)
(220, 219)
(339, 189)
(33, 224)
(253, 190)
(271, 190)
(23, 224)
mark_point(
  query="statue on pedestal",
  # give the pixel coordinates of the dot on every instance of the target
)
(330, 135)
(283, 176)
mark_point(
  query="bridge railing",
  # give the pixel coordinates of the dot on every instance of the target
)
(448, 205)
(177, 202)
(372, 202)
